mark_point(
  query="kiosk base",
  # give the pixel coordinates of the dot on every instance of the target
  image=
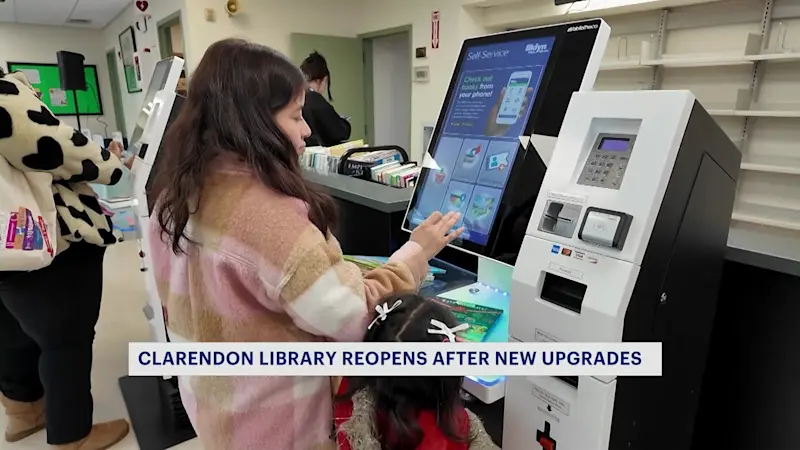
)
(486, 389)
(491, 290)
(157, 416)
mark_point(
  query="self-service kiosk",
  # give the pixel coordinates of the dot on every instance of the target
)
(625, 244)
(160, 107)
(492, 141)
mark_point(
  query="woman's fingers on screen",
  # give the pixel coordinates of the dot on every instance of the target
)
(454, 235)
(449, 222)
(434, 218)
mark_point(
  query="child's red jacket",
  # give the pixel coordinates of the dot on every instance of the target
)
(433, 438)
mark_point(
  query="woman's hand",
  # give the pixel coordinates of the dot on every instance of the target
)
(116, 149)
(436, 232)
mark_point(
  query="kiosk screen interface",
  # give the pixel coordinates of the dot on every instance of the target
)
(476, 149)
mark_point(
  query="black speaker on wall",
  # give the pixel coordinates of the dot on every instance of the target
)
(70, 68)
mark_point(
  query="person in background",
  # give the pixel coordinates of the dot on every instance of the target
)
(328, 128)
(243, 251)
(47, 316)
(422, 413)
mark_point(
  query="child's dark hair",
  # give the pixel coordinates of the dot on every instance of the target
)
(400, 398)
(315, 67)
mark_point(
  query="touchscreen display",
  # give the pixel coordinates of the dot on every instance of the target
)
(477, 146)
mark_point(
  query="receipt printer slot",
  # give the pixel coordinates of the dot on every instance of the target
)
(563, 292)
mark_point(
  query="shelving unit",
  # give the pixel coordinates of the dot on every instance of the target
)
(750, 56)
(766, 128)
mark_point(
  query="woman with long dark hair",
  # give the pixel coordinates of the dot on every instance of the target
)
(243, 251)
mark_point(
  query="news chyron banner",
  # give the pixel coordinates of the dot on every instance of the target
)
(395, 359)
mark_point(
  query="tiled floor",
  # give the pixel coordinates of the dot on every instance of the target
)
(121, 321)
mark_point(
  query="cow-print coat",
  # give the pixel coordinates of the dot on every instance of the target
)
(32, 139)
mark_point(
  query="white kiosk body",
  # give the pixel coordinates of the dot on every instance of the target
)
(625, 244)
(158, 110)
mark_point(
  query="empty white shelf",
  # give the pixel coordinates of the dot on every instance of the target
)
(788, 166)
(776, 57)
(766, 221)
(722, 112)
(722, 60)
(698, 61)
(788, 114)
(616, 64)
(769, 113)
(768, 212)
(750, 202)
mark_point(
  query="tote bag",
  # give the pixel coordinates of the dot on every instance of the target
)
(28, 223)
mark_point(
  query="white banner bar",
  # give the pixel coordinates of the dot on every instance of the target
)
(395, 359)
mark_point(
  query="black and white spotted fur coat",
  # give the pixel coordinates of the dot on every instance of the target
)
(33, 139)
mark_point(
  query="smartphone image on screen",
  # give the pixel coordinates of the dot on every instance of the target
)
(514, 96)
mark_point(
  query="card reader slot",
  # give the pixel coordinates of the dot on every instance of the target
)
(563, 292)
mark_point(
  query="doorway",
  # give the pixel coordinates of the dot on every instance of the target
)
(170, 43)
(116, 93)
(388, 76)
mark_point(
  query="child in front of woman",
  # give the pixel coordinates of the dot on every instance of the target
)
(407, 413)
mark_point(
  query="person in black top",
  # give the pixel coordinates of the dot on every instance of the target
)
(328, 128)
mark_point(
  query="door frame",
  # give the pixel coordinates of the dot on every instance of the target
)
(165, 36)
(369, 97)
(116, 91)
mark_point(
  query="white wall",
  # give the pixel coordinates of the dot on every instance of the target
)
(26, 43)
(455, 25)
(270, 22)
(109, 39)
(391, 72)
(267, 22)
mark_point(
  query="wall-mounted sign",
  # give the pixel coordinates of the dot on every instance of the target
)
(435, 29)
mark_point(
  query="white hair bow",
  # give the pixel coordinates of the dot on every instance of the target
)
(383, 311)
(447, 331)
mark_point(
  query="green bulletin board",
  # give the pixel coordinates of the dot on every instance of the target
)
(46, 79)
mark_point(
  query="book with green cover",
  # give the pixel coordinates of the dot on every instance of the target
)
(367, 263)
(480, 318)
